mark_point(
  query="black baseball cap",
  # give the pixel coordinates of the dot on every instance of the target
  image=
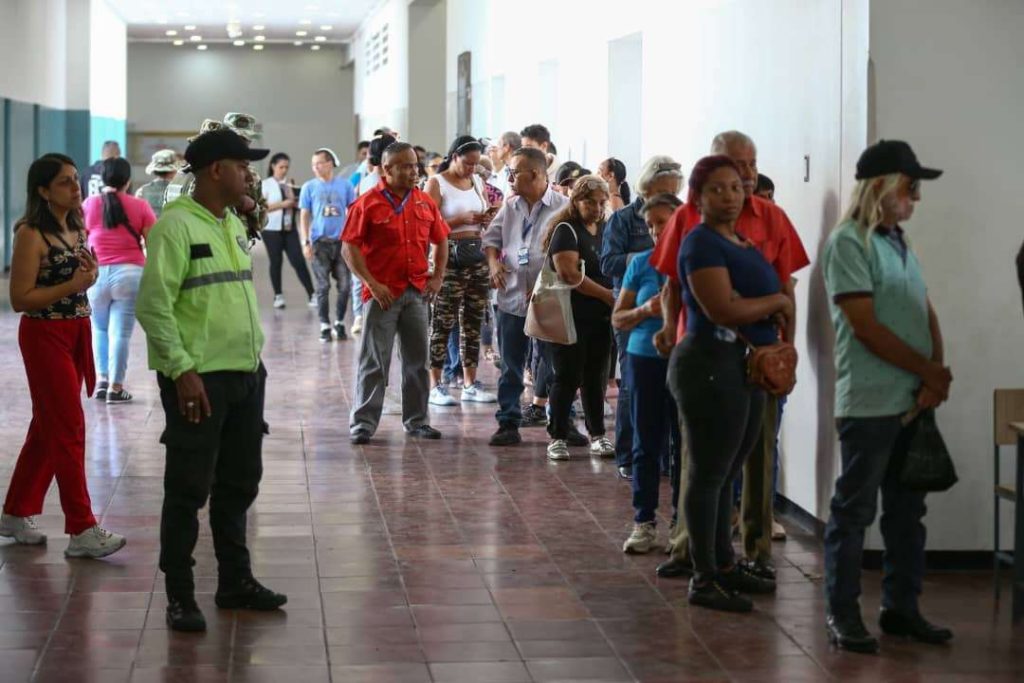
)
(892, 156)
(216, 145)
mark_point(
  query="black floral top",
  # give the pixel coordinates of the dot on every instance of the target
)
(57, 268)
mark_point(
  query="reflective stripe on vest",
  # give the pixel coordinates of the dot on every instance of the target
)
(216, 278)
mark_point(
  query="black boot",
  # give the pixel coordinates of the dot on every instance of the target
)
(849, 633)
(913, 626)
(247, 593)
(183, 614)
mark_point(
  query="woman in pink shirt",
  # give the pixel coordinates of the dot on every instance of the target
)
(117, 224)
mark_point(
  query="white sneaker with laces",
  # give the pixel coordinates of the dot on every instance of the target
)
(643, 539)
(279, 301)
(22, 529)
(313, 303)
(476, 394)
(602, 447)
(94, 542)
(357, 324)
(439, 396)
(558, 450)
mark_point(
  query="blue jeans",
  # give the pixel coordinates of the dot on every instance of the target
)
(652, 408)
(112, 299)
(623, 419)
(514, 344)
(452, 363)
(357, 296)
(873, 450)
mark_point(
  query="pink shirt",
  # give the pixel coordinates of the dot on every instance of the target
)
(117, 246)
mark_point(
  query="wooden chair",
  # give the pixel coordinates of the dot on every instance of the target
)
(1008, 407)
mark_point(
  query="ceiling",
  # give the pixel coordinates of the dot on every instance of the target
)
(208, 21)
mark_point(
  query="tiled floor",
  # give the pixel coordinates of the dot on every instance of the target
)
(418, 561)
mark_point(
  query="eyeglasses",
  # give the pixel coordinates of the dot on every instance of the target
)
(512, 173)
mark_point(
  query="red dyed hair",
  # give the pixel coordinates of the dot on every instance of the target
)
(702, 170)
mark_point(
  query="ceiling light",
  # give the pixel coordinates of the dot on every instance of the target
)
(195, 39)
(306, 22)
(179, 43)
(238, 43)
(259, 39)
(257, 47)
(190, 27)
(170, 32)
(315, 47)
(326, 27)
(301, 34)
(258, 28)
(320, 39)
(201, 47)
(298, 43)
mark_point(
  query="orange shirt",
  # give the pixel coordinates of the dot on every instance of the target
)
(761, 222)
(395, 237)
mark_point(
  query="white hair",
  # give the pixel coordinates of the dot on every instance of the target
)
(658, 166)
(723, 141)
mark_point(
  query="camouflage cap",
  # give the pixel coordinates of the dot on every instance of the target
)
(243, 124)
(164, 161)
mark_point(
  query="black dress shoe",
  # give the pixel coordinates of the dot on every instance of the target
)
(359, 437)
(714, 595)
(742, 580)
(183, 614)
(626, 472)
(674, 568)
(248, 593)
(913, 626)
(423, 432)
(507, 435)
(759, 568)
(849, 633)
(576, 437)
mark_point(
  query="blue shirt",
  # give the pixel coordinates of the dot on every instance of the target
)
(749, 273)
(625, 235)
(642, 279)
(328, 202)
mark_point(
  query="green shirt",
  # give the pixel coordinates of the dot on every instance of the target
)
(866, 385)
(153, 193)
(196, 300)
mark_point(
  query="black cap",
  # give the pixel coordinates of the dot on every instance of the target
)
(892, 156)
(216, 145)
(568, 172)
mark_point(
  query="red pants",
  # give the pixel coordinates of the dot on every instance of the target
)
(58, 358)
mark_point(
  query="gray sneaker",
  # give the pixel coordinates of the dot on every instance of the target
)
(558, 449)
(94, 542)
(22, 529)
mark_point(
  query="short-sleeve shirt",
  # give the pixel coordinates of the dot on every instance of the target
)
(645, 282)
(328, 202)
(589, 248)
(394, 235)
(117, 245)
(866, 385)
(750, 275)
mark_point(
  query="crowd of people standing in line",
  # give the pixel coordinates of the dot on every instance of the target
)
(678, 293)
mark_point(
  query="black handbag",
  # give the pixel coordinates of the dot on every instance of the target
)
(466, 252)
(928, 465)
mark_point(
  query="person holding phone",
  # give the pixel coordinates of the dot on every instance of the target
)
(458, 192)
(280, 234)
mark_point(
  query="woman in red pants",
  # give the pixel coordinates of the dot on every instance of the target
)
(51, 270)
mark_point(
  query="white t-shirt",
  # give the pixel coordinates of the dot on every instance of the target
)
(280, 219)
(368, 182)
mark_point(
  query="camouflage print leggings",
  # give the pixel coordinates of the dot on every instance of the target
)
(463, 298)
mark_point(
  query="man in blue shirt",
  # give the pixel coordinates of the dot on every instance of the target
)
(324, 202)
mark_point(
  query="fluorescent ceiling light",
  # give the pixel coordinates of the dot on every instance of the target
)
(302, 34)
(320, 39)
(257, 47)
(298, 43)
(259, 27)
(239, 43)
(170, 32)
(259, 39)
(195, 39)
(190, 27)
(326, 27)
(315, 47)
(201, 47)
(179, 43)
(306, 22)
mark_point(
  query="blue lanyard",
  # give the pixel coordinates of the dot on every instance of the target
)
(528, 224)
(398, 207)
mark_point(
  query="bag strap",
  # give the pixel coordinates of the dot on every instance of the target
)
(583, 270)
(135, 234)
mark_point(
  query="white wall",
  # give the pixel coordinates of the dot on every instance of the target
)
(427, 30)
(381, 98)
(948, 78)
(108, 45)
(33, 51)
(303, 98)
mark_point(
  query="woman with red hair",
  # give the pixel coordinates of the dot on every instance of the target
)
(733, 297)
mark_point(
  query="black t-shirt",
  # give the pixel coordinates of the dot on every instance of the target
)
(92, 180)
(589, 248)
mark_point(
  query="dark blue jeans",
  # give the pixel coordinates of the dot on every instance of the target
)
(514, 343)
(452, 363)
(623, 414)
(873, 450)
(652, 408)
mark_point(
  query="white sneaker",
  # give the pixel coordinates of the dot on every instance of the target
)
(279, 301)
(602, 447)
(22, 529)
(94, 542)
(558, 450)
(643, 539)
(778, 531)
(312, 301)
(608, 410)
(475, 393)
(439, 396)
(357, 324)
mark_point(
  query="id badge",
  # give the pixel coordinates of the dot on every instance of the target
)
(331, 211)
(523, 256)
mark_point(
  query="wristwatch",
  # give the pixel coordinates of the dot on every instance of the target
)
(307, 243)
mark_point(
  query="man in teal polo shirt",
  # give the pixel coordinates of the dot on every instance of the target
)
(202, 321)
(889, 362)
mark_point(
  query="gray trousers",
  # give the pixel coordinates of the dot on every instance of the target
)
(406, 319)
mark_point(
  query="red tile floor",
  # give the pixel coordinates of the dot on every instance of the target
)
(418, 561)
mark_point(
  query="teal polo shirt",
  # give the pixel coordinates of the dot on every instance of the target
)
(866, 385)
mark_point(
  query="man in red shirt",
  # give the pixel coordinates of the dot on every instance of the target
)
(772, 233)
(386, 239)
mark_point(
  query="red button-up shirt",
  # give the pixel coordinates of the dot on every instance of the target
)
(395, 242)
(761, 222)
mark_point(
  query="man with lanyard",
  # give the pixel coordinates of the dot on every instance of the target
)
(772, 233)
(324, 202)
(386, 240)
(202, 321)
(515, 253)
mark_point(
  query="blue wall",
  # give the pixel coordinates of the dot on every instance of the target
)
(103, 128)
